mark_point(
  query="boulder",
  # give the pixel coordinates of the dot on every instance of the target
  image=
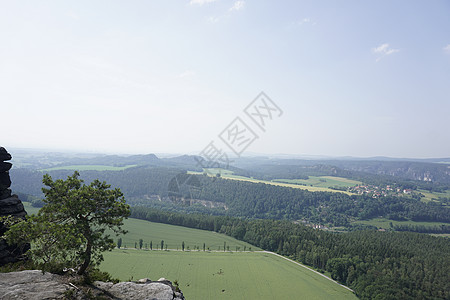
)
(142, 291)
(33, 284)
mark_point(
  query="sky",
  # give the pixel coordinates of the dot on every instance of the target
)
(348, 78)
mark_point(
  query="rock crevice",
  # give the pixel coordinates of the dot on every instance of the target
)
(9, 205)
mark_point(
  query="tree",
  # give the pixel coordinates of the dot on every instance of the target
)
(162, 244)
(204, 246)
(182, 246)
(119, 243)
(69, 231)
(141, 242)
(151, 245)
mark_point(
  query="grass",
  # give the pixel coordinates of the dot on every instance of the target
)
(322, 181)
(218, 275)
(295, 183)
(384, 223)
(30, 209)
(212, 275)
(173, 236)
(89, 168)
(429, 196)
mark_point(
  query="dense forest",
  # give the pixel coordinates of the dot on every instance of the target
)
(376, 265)
(244, 199)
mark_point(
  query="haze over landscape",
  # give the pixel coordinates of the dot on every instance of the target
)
(352, 78)
(234, 149)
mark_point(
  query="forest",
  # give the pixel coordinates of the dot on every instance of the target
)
(376, 265)
(244, 199)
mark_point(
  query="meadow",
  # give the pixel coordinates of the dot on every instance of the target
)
(229, 275)
(89, 168)
(313, 184)
(433, 196)
(173, 236)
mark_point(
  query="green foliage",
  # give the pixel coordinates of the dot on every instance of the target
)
(377, 265)
(69, 231)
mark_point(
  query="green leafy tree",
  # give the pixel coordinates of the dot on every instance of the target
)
(69, 231)
(162, 245)
(151, 245)
(182, 246)
(141, 243)
(119, 243)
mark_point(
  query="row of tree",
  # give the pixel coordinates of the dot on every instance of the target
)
(376, 265)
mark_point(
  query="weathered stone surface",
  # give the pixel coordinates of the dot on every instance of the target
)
(6, 193)
(9, 205)
(4, 155)
(31, 284)
(5, 166)
(5, 181)
(144, 291)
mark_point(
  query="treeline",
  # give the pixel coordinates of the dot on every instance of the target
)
(408, 175)
(244, 199)
(376, 265)
(422, 228)
(259, 200)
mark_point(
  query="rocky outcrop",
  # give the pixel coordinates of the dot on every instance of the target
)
(33, 284)
(9, 205)
(143, 289)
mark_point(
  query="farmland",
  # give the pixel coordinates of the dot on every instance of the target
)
(313, 184)
(173, 236)
(230, 275)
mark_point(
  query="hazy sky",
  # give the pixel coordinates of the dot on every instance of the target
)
(351, 77)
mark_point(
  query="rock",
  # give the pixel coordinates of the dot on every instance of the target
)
(5, 166)
(31, 284)
(5, 181)
(4, 155)
(6, 193)
(132, 290)
(144, 280)
(9, 205)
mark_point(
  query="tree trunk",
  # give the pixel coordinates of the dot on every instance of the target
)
(87, 259)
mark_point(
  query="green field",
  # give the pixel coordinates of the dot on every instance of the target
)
(429, 196)
(89, 168)
(231, 275)
(30, 209)
(322, 181)
(320, 186)
(385, 223)
(173, 236)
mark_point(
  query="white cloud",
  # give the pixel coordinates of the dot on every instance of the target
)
(447, 49)
(214, 19)
(238, 5)
(384, 50)
(201, 2)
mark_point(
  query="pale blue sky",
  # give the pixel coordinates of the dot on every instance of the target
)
(352, 77)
